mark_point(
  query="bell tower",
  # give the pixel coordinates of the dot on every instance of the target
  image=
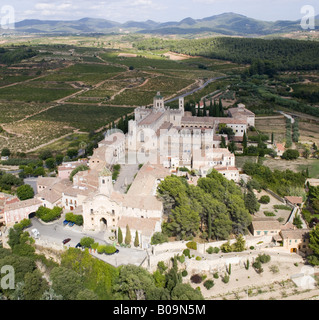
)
(105, 182)
(181, 105)
(158, 102)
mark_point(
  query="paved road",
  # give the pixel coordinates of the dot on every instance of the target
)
(195, 90)
(56, 233)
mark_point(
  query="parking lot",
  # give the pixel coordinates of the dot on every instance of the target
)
(56, 232)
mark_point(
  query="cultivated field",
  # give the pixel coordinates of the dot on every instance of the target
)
(81, 84)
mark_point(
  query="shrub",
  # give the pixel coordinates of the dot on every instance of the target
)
(184, 273)
(109, 249)
(225, 278)
(198, 258)
(257, 266)
(196, 278)
(181, 258)
(187, 253)
(100, 249)
(210, 250)
(161, 267)
(208, 284)
(191, 245)
(77, 219)
(226, 247)
(251, 247)
(269, 214)
(158, 238)
(216, 275)
(263, 258)
(264, 199)
(47, 215)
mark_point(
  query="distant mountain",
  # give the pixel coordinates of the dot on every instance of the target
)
(224, 24)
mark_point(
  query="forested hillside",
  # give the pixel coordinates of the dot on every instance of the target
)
(10, 56)
(281, 54)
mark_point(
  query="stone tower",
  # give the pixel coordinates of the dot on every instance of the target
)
(105, 182)
(181, 105)
(158, 102)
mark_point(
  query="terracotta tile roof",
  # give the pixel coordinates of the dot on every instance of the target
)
(265, 224)
(145, 226)
(294, 200)
(296, 234)
(22, 204)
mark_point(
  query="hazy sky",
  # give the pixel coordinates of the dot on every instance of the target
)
(157, 10)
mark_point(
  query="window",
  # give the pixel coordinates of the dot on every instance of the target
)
(258, 233)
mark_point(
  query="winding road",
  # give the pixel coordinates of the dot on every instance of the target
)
(195, 90)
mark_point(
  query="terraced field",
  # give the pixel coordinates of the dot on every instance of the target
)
(66, 88)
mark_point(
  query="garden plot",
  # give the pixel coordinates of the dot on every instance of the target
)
(268, 210)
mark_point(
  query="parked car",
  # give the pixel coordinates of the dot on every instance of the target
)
(78, 245)
(65, 241)
(71, 224)
(35, 233)
(65, 222)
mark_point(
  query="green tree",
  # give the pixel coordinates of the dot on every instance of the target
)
(50, 163)
(158, 238)
(251, 202)
(34, 285)
(245, 141)
(183, 291)
(119, 236)
(25, 192)
(136, 240)
(5, 152)
(87, 242)
(134, 283)
(66, 282)
(314, 246)
(128, 236)
(240, 244)
(290, 154)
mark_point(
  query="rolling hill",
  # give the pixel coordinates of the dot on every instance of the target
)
(224, 24)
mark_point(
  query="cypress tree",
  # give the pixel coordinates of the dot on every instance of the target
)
(119, 236)
(211, 109)
(136, 241)
(128, 236)
(245, 141)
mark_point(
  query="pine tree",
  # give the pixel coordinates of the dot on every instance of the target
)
(136, 241)
(128, 236)
(119, 236)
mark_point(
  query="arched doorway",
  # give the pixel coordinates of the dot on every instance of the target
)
(103, 224)
(31, 215)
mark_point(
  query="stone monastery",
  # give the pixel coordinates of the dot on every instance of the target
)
(160, 138)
